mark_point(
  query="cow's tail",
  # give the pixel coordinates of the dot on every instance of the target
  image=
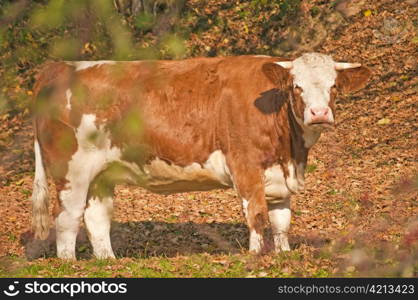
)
(40, 197)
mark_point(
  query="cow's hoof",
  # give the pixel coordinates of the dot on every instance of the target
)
(104, 255)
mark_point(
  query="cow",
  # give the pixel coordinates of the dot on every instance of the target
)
(244, 122)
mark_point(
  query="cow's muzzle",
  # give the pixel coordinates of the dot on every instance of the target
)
(320, 116)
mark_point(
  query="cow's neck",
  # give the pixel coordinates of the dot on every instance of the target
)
(301, 140)
(298, 150)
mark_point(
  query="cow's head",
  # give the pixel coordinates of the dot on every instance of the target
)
(314, 80)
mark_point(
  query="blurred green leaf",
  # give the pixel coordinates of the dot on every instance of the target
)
(311, 168)
(174, 46)
(144, 21)
(51, 16)
(66, 49)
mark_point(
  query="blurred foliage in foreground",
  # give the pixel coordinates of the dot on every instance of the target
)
(32, 32)
(367, 230)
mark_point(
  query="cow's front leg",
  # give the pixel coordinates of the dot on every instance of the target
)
(250, 187)
(279, 214)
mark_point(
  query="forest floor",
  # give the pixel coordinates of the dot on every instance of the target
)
(356, 217)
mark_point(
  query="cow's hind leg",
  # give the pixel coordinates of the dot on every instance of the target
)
(279, 214)
(98, 216)
(73, 201)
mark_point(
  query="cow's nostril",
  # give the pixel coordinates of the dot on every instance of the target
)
(318, 112)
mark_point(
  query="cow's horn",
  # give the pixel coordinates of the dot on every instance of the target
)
(285, 64)
(344, 65)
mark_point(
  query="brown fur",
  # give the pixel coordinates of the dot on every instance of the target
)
(351, 80)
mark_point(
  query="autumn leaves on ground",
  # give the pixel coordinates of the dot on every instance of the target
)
(356, 217)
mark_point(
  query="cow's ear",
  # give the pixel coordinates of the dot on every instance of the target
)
(277, 73)
(352, 79)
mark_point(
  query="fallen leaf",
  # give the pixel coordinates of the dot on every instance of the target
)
(20, 182)
(383, 121)
(367, 13)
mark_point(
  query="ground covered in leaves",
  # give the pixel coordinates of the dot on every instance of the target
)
(356, 217)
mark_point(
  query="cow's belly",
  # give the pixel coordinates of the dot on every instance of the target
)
(278, 186)
(97, 158)
(96, 155)
(161, 177)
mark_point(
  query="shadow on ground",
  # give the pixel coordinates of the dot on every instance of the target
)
(147, 239)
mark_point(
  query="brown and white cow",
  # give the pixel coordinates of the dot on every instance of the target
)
(245, 122)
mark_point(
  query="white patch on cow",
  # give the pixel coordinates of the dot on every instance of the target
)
(277, 186)
(310, 135)
(216, 164)
(256, 242)
(164, 177)
(40, 198)
(245, 207)
(93, 153)
(97, 218)
(279, 215)
(81, 65)
(260, 55)
(68, 221)
(285, 64)
(68, 94)
(315, 73)
(344, 65)
(40, 176)
(292, 182)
